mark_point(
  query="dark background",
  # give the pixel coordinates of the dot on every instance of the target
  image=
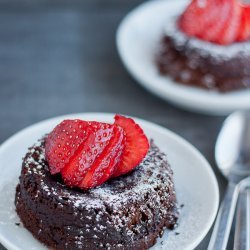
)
(60, 57)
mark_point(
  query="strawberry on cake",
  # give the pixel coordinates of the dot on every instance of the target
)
(208, 45)
(94, 185)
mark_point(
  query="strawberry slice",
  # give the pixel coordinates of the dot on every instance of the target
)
(210, 13)
(244, 32)
(230, 31)
(221, 12)
(193, 14)
(63, 141)
(136, 145)
(85, 156)
(105, 164)
(219, 21)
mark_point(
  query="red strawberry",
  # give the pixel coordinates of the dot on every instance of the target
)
(221, 11)
(193, 15)
(232, 26)
(218, 21)
(62, 143)
(88, 153)
(198, 15)
(136, 145)
(244, 32)
(85, 156)
(105, 164)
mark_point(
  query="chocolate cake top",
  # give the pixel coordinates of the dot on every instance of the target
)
(152, 175)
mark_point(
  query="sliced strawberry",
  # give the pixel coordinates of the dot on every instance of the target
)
(136, 145)
(221, 11)
(85, 156)
(246, 11)
(231, 29)
(63, 141)
(211, 13)
(193, 14)
(88, 153)
(106, 162)
(218, 21)
(244, 31)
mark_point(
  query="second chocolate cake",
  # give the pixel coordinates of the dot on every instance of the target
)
(194, 62)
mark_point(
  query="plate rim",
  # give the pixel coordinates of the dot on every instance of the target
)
(162, 129)
(215, 106)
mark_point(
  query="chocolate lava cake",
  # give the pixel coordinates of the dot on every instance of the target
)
(128, 212)
(195, 62)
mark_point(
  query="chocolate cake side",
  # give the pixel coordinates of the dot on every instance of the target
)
(194, 62)
(128, 212)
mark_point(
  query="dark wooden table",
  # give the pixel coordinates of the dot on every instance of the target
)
(59, 57)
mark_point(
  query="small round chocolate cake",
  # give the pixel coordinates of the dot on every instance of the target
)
(128, 212)
(195, 62)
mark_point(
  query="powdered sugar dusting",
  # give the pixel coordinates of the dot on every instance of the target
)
(35, 164)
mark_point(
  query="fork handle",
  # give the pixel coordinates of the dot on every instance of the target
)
(242, 227)
(224, 219)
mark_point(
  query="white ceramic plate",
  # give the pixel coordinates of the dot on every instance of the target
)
(138, 40)
(196, 185)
